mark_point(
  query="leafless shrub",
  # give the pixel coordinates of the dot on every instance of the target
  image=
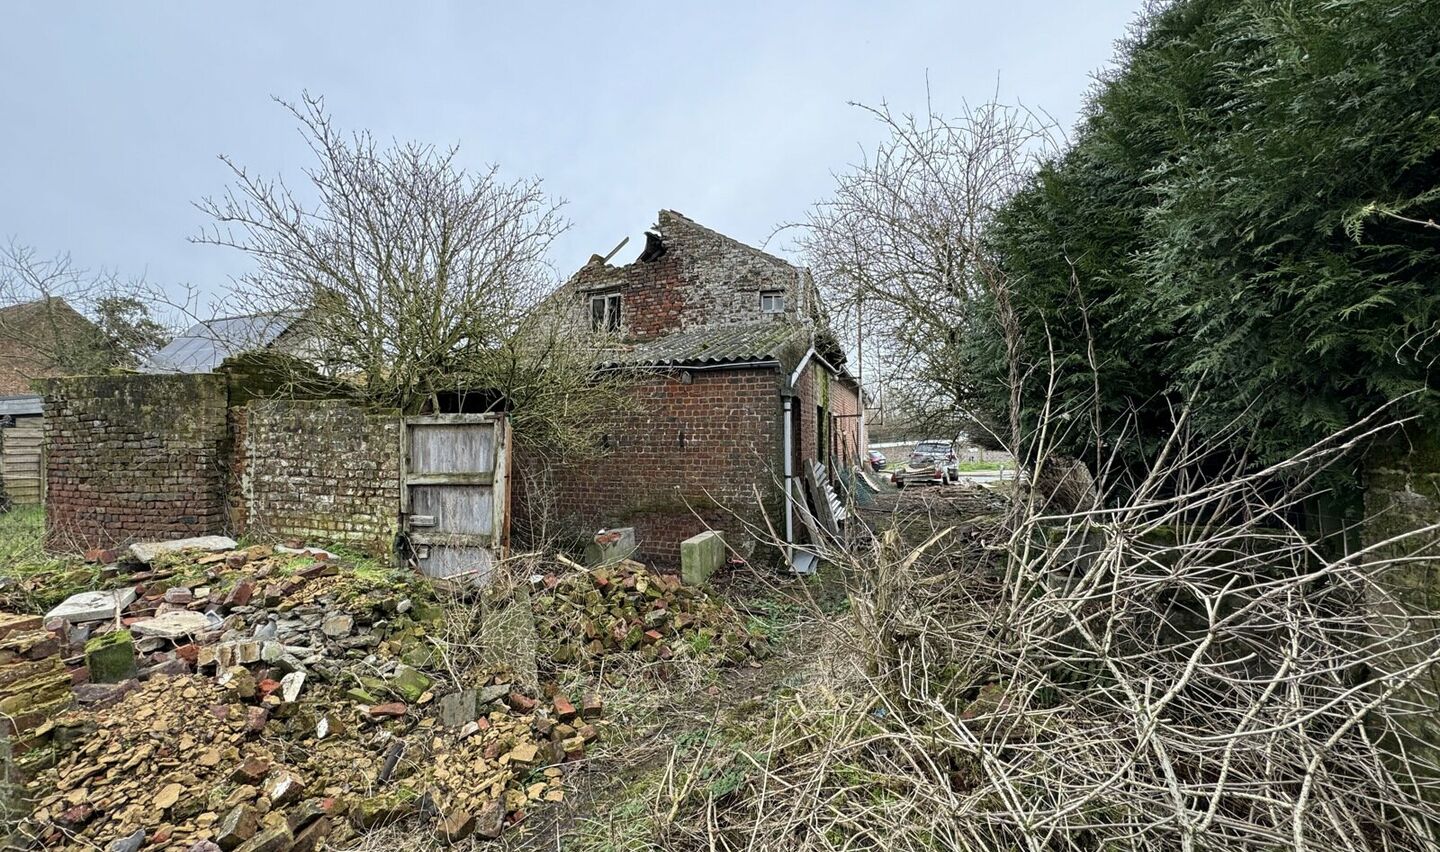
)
(1183, 670)
(59, 318)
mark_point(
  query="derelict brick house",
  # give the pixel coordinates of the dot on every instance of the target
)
(729, 347)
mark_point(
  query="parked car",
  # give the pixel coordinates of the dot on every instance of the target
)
(877, 460)
(932, 461)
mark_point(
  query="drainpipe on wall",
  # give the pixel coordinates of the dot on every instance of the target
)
(807, 562)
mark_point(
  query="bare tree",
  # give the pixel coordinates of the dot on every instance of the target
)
(903, 241)
(413, 275)
(58, 318)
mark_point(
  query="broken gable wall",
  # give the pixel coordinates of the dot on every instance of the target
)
(703, 278)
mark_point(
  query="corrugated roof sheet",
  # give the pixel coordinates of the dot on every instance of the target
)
(205, 344)
(717, 345)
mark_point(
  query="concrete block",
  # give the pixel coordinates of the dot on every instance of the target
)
(178, 625)
(92, 606)
(111, 658)
(610, 547)
(700, 556)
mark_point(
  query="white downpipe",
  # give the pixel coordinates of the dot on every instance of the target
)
(788, 443)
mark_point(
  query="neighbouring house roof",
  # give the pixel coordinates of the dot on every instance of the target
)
(205, 344)
(41, 339)
(716, 346)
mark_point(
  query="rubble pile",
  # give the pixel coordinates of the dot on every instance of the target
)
(289, 610)
(272, 699)
(34, 685)
(182, 761)
(584, 615)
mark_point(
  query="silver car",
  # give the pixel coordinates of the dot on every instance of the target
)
(932, 461)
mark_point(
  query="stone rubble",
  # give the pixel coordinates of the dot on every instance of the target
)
(584, 615)
(259, 699)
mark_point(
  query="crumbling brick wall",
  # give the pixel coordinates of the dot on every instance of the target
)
(682, 450)
(133, 457)
(325, 471)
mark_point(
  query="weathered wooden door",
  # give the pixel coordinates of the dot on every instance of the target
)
(456, 496)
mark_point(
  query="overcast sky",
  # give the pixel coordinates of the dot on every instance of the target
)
(735, 114)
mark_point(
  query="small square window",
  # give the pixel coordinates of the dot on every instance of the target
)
(772, 301)
(605, 312)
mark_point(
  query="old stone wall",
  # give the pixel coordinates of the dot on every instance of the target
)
(681, 451)
(134, 457)
(703, 278)
(326, 471)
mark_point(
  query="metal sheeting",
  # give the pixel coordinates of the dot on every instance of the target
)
(21, 404)
(205, 344)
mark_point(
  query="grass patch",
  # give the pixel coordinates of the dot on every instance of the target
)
(32, 580)
(982, 466)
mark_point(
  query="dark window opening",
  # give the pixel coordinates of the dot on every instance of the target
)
(467, 402)
(605, 312)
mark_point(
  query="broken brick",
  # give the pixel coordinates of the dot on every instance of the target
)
(564, 710)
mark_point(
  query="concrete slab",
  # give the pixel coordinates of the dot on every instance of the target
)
(176, 625)
(147, 551)
(92, 606)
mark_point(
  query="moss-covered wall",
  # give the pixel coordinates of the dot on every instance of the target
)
(326, 471)
(133, 457)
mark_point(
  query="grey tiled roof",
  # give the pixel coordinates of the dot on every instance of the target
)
(205, 344)
(772, 340)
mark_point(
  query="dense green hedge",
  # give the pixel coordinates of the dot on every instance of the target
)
(1224, 218)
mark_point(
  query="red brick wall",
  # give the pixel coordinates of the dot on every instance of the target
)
(817, 386)
(710, 443)
(845, 407)
(134, 457)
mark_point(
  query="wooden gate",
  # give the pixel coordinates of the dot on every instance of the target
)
(456, 494)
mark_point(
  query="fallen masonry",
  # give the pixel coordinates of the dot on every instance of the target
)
(582, 616)
(264, 698)
(277, 698)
